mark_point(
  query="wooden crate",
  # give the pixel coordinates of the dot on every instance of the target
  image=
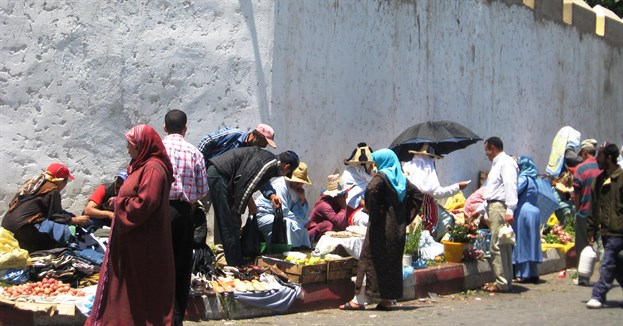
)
(340, 269)
(302, 274)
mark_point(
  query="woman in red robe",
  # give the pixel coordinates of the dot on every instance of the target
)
(136, 285)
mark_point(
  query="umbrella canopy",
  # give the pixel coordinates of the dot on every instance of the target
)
(444, 136)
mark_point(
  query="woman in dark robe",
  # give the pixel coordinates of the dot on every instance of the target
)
(136, 285)
(392, 203)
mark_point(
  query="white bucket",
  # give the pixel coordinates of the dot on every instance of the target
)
(588, 257)
(407, 260)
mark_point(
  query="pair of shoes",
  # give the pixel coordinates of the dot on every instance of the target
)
(593, 304)
(352, 306)
(492, 287)
(383, 307)
(533, 280)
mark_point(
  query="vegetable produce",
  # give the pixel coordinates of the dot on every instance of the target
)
(48, 287)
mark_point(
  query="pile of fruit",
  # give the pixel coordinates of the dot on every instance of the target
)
(48, 287)
(313, 260)
(230, 284)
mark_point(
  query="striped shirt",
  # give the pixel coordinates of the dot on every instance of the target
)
(220, 141)
(189, 169)
(583, 179)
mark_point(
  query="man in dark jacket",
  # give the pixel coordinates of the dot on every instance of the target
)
(606, 217)
(233, 177)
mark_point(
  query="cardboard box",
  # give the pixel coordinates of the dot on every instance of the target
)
(302, 274)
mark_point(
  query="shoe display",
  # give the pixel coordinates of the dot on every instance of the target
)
(593, 304)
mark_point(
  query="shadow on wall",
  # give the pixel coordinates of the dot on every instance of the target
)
(246, 6)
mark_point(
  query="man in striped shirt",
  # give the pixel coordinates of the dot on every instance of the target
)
(583, 179)
(223, 140)
(220, 141)
(190, 185)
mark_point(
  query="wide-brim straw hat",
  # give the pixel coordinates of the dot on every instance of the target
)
(426, 150)
(361, 155)
(300, 174)
(335, 186)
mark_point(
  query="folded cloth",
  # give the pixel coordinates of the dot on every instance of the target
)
(278, 299)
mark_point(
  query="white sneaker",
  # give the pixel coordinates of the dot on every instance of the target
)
(593, 304)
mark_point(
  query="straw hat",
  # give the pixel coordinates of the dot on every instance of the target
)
(361, 155)
(427, 150)
(335, 186)
(300, 174)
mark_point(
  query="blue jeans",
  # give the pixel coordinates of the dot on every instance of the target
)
(611, 267)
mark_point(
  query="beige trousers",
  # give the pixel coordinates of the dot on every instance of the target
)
(501, 255)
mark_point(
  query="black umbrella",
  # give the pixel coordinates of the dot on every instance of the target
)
(444, 136)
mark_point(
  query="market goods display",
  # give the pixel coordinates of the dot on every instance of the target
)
(558, 234)
(47, 287)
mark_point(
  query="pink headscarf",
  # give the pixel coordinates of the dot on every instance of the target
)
(149, 145)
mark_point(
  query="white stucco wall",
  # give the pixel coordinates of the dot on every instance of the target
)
(75, 75)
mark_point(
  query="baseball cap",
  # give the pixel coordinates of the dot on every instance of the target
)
(291, 158)
(268, 132)
(588, 144)
(58, 171)
(123, 174)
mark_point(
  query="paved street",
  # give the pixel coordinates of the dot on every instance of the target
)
(554, 301)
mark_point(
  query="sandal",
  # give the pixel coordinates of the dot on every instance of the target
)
(352, 306)
(383, 307)
(493, 288)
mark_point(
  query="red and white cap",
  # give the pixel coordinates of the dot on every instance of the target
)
(58, 171)
(268, 132)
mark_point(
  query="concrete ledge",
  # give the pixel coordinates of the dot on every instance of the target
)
(477, 273)
(584, 18)
(548, 9)
(553, 262)
(613, 32)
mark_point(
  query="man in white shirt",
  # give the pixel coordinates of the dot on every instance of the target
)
(500, 202)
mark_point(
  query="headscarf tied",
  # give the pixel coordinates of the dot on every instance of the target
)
(149, 145)
(388, 163)
(527, 168)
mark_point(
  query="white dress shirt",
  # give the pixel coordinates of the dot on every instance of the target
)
(502, 182)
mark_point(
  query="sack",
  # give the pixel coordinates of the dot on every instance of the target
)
(278, 235)
(11, 255)
(251, 238)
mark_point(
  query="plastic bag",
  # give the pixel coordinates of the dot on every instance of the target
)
(506, 235)
(455, 202)
(11, 255)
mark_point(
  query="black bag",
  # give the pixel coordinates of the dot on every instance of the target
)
(278, 235)
(251, 238)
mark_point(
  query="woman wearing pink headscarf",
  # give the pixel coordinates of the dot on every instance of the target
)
(136, 284)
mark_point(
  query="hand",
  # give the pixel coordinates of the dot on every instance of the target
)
(509, 218)
(81, 220)
(463, 184)
(301, 193)
(252, 207)
(341, 200)
(276, 201)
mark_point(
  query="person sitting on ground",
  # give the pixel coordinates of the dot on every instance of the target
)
(329, 213)
(294, 207)
(35, 214)
(100, 206)
(356, 177)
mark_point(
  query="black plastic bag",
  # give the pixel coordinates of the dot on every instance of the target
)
(278, 235)
(251, 238)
